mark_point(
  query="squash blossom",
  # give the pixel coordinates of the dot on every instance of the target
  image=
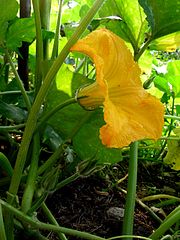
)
(130, 113)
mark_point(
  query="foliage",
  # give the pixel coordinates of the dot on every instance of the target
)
(52, 140)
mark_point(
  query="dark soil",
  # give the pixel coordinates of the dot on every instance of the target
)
(83, 205)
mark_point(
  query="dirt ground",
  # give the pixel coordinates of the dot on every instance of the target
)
(85, 204)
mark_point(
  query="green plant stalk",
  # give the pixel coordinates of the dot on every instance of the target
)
(129, 236)
(169, 128)
(131, 193)
(44, 226)
(159, 196)
(52, 159)
(31, 180)
(67, 181)
(2, 229)
(49, 114)
(9, 128)
(45, 9)
(39, 47)
(19, 82)
(170, 220)
(33, 115)
(58, 26)
(52, 220)
(172, 117)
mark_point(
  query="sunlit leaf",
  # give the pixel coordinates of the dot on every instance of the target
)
(173, 156)
(171, 80)
(17, 33)
(167, 43)
(133, 25)
(163, 16)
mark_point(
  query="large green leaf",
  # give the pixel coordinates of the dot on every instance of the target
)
(167, 43)
(87, 142)
(8, 12)
(133, 25)
(163, 16)
(17, 33)
(63, 88)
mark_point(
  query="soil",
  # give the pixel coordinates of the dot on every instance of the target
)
(84, 204)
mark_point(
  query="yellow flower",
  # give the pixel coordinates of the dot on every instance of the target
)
(130, 112)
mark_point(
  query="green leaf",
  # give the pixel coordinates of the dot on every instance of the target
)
(87, 142)
(173, 76)
(167, 43)
(163, 16)
(178, 109)
(13, 113)
(173, 155)
(64, 87)
(8, 12)
(162, 84)
(133, 25)
(171, 80)
(5, 164)
(17, 33)
(9, 9)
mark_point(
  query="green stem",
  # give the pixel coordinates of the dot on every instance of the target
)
(142, 49)
(39, 47)
(33, 115)
(9, 128)
(67, 181)
(2, 229)
(58, 26)
(52, 220)
(19, 82)
(170, 220)
(45, 9)
(131, 193)
(52, 159)
(50, 113)
(159, 196)
(172, 117)
(32, 175)
(49, 227)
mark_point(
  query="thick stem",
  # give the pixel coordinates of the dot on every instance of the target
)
(45, 9)
(32, 119)
(31, 180)
(2, 229)
(58, 26)
(131, 193)
(39, 47)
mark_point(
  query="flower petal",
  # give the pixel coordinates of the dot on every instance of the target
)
(138, 116)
